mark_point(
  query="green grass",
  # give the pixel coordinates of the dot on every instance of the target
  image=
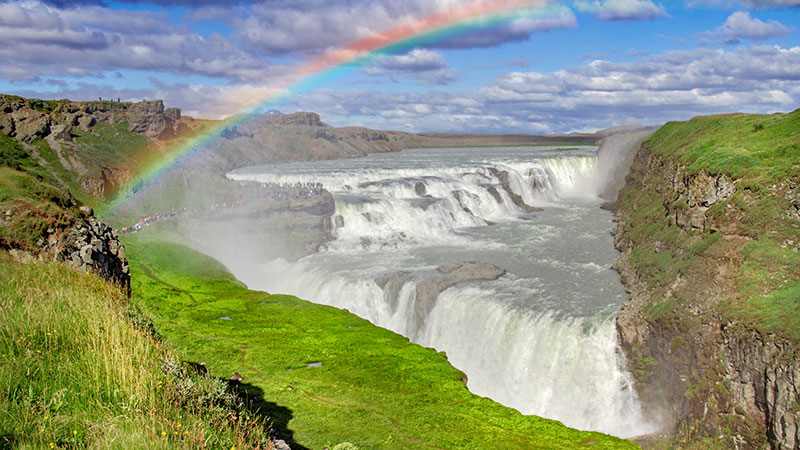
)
(762, 154)
(31, 199)
(758, 149)
(69, 178)
(34, 206)
(374, 389)
(112, 145)
(75, 372)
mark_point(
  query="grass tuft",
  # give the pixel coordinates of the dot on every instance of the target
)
(76, 372)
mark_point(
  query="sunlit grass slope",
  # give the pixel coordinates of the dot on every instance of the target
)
(327, 376)
(75, 372)
(761, 153)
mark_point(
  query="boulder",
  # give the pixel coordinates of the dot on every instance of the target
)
(455, 272)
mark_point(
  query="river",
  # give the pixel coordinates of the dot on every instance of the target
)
(541, 338)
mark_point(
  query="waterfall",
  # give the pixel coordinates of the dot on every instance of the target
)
(541, 338)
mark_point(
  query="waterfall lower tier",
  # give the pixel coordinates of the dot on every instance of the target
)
(539, 338)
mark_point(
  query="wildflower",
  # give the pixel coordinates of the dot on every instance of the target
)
(74, 433)
(163, 433)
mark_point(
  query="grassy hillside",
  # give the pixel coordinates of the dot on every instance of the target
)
(327, 376)
(80, 369)
(756, 230)
(31, 199)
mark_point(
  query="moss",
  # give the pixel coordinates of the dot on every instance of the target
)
(373, 389)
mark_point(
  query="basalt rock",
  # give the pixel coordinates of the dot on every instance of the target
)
(455, 272)
(502, 176)
(419, 188)
(29, 120)
(91, 245)
(712, 378)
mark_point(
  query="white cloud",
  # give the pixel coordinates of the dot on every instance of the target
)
(427, 66)
(672, 86)
(740, 25)
(273, 29)
(39, 40)
(622, 9)
(417, 60)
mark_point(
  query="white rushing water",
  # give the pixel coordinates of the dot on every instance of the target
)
(541, 338)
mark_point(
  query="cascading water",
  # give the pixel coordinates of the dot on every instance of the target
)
(541, 338)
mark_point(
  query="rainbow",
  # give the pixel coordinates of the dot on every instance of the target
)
(457, 20)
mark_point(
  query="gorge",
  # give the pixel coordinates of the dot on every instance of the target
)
(539, 338)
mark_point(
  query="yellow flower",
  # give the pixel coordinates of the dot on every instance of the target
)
(163, 433)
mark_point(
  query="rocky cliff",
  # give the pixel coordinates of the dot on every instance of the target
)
(710, 258)
(29, 120)
(64, 232)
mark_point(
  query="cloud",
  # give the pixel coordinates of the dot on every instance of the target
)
(740, 25)
(672, 86)
(289, 29)
(39, 40)
(755, 4)
(427, 66)
(184, 3)
(622, 9)
(87, 38)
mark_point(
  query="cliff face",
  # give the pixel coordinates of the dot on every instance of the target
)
(29, 120)
(709, 257)
(93, 146)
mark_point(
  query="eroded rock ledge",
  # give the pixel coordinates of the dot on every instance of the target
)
(715, 378)
(87, 244)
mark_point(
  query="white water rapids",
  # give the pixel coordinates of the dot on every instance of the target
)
(541, 338)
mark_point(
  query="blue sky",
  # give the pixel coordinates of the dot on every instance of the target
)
(580, 65)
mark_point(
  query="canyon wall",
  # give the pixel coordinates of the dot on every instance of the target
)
(708, 256)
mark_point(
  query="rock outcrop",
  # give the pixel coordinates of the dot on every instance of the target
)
(502, 176)
(81, 241)
(716, 378)
(91, 245)
(152, 120)
(455, 272)
(29, 120)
